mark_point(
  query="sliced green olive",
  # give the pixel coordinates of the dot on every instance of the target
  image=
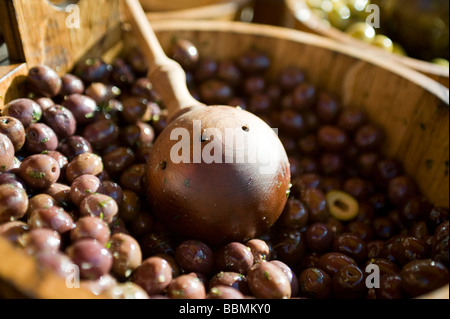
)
(342, 206)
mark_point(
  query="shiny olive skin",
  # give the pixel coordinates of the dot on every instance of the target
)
(215, 92)
(439, 244)
(127, 290)
(349, 283)
(351, 245)
(267, 281)
(39, 171)
(231, 279)
(154, 274)
(400, 189)
(195, 256)
(40, 137)
(290, 246)
(144, 88)
(58, 262)
(60, 119)
(53, 217)
(25, 110)
(289, 78)
(319, 237)
(130, 207)
(44, 102)
(369, 137)
(332, 138)
(90, 227)
(136, 109)
(122, 74)
(101, 133)
(133, 178)
(113, 190)
(228, 71)
(84, 186)
(234, 257)
(260, 250)
(92, 257)
(71, 84)
(224, 292)
(332, 262)
(93, 70)
(253, 62)
(44, 81)
(314, 283)
(13, 202)
(74, 145)
(138, 135)
(82, 107)
(13, 231)
(60, 193)
(40, 201)
(85, 163)
(315, 201)
(185, 53)
(117, 160)
(290, 275)
(187, 286)
(127, 254)
(404, 249)
(390, 287)
(40, 239)
(99, 205)
(6, 153)
(422, 276)
(295, 214)
(14, 130)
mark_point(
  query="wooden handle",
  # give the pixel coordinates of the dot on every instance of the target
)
(166, 75)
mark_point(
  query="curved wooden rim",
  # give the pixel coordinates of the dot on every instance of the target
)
(413, 76)
(213, 11)
(164, 5)
(315, 24)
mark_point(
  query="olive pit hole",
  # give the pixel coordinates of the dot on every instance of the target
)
(341, 205)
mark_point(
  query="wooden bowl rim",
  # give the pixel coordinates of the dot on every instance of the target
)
(216, 11)
(316, 24)
(219, 5)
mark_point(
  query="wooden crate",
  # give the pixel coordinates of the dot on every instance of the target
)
(412, 108)
(300, 17)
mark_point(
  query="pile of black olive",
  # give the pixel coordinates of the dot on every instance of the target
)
(72, 165)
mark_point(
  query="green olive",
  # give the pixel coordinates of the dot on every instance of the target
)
(398, 49)
(383, 42)
(339, 16)
(441, 61)
(361, 31)
(316, 4)
(358, 8)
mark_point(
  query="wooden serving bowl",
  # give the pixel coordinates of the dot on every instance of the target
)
(412, 108)
(195, 9)
(300, 17)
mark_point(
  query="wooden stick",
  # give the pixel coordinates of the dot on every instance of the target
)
(166, 75)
